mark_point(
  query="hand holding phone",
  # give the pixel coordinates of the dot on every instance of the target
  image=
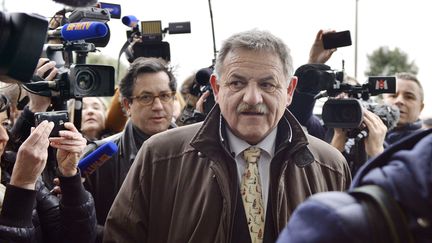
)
(333, 40)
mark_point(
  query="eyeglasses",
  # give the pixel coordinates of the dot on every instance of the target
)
(266, 86)
(148, 99)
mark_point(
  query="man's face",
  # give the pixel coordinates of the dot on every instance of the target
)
(93, 117)
(4, 138)
(408, 99)
(252, 93)
(155, 117)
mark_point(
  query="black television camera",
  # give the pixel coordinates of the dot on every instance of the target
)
(347, 113)
(86, 30)
(149, 41)
(22, 37)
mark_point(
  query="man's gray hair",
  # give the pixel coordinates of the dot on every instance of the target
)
(256, 40)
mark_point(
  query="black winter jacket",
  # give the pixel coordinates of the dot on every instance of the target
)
(38, 216)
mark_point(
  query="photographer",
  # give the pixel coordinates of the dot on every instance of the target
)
(30, 212)
(21, 129)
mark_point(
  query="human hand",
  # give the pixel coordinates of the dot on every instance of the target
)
(44, 65)
(40, 103)
(56, 191)
(31, 157)
(199, 106)
(70, 146)
(317, 52)
(339, 139)
(374, 142)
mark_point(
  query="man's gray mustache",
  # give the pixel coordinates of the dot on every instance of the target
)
(258, 108)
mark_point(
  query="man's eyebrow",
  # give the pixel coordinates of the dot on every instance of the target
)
(151, 93)
(267, 78)
(238, 76)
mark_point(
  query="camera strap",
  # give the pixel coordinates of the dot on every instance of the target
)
(387, 221)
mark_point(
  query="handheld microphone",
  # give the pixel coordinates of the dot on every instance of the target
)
(130, 21)
(79, 31)
(97, 158)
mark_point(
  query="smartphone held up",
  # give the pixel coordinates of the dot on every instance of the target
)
(333, 40)
(58, 117)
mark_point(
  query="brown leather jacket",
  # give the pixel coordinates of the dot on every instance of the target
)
(183, 185)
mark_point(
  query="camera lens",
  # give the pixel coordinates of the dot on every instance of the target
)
(85, 80)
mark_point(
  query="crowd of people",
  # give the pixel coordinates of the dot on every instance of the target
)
(259, 168)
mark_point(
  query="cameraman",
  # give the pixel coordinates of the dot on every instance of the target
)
(304, 102)
(409, 98)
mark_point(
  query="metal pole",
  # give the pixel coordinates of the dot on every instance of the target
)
(356, 39)
(3, 5)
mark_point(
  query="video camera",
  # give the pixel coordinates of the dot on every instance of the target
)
(22, 37)
(149, 41)
(86, 30)
(346, 113)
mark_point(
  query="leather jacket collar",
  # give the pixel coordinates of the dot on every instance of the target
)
(290, 135)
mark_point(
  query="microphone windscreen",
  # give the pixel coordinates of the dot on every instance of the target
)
(130, 21)
(203, 76)
(96, 158)
(83, 31)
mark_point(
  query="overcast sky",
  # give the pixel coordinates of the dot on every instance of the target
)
(392, 23)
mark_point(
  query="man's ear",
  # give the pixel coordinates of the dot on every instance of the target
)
(215, 86)
(290, 90)
(126, 106)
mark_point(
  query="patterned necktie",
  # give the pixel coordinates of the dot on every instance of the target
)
(251, 194)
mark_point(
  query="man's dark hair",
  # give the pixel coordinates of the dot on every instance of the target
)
(144, 65)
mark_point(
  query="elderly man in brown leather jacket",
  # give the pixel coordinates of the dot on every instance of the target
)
(197, 183)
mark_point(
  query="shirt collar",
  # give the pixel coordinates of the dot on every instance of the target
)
(238, 145)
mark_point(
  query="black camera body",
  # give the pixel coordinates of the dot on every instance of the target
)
(22, 37)
(150, 39)
(348, 113)
(59, 118)
(85, 80)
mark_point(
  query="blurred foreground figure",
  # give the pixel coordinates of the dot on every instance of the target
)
(390, 200)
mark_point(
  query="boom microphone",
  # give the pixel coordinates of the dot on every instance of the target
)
(96, 158)
(79, 31)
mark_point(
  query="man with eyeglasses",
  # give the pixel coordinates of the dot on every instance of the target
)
(237, 176)
(147, 93)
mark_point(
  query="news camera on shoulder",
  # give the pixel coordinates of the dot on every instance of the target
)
(347, 113)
